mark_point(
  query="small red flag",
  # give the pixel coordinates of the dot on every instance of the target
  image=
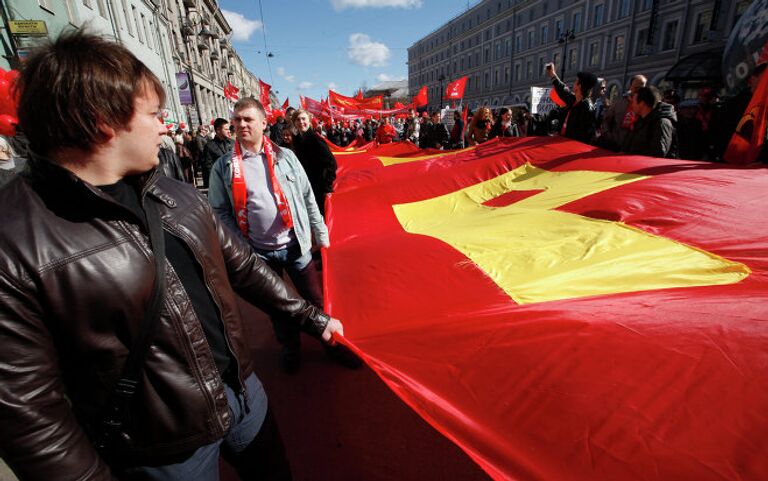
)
(286, 104)
(264, 89)
(751, 132)
(421, 98)
(455, 89)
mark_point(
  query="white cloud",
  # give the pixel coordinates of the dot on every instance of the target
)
(363, 51)
(343, 4)
(382, 77)
(242, 28)
(333, 86)
(305, 85)
(281, 72)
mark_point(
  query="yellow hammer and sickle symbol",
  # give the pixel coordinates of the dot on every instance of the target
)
(537, 254)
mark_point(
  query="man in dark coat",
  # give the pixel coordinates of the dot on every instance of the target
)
(218, 146)
(654, 132)
(579, 123)
(315, 156)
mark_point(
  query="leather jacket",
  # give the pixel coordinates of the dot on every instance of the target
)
(75, 278)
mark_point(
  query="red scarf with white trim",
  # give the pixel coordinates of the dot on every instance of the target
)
(240, 192)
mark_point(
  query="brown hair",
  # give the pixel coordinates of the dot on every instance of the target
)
(75, 84)
(247, 103)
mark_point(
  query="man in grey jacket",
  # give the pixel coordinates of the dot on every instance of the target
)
(261, 192)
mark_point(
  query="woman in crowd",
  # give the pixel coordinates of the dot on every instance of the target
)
(504, 127)
(315, 157)
(480, 127)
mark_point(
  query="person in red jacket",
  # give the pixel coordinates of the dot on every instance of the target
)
(386, 133)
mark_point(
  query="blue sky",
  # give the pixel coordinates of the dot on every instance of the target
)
(340, 43)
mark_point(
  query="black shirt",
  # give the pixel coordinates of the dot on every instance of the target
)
(189, 271)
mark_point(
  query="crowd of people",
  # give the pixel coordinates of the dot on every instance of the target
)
(124, 350)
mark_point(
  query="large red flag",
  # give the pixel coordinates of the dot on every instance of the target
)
(231, 92)
(339, 100)
(455, 89)
(752, 130)
(560, 311)
(421, 98)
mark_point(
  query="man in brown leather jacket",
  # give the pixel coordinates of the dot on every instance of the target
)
(77, 274)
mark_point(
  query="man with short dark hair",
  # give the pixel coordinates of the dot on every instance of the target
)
(579, 121)
(124, 353)
(619, 118)
(435, 133)
(219, 145)
(261, 193)
(654, 131)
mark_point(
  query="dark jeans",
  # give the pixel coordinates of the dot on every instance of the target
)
(301, 269)
(253, 446)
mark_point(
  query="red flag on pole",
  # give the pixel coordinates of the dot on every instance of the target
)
(455, 89)
(421, 98)
(286, 104)
(359, 95)
(264, 89)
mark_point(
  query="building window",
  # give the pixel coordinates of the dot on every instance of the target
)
(518, 41)
(556, 59)
(623, 8)
(703, 20)
(670, 35)
(498, 50)
(573, 58)
(487, 55)
(506, 75)
(529, 69)
(642, 38)
(507, 48)
(618, 48)
(487, 80)
(558, 28)
(496, 78)
(597, 18)
(517, 72)
(646, 5)
(127, 18)
(544, 34)
(530, 39)
(577, 22)
(594, 53)
(541, 66)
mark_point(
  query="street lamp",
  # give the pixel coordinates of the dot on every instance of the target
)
(564, 38)
(441, 79)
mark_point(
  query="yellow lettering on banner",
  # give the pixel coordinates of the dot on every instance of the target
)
(537, 254)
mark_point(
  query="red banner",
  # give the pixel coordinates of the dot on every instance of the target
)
(264, 89)
(339, 100)
(230, 92)
(560, 311)
(421, 98)
(455, 89)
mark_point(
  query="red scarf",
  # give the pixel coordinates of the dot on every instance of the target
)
(240, 193)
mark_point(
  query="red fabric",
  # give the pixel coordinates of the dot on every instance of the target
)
(231, 92)
(240, 191)
(668, 384)
(339, 100)
(556, 98)
(750, 135)
(385, 134)
(455, 89)
(264, 89)
(421, 98)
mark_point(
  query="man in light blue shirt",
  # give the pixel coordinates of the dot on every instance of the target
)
(283, 241)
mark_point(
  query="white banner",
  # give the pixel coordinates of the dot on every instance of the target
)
(540, 101)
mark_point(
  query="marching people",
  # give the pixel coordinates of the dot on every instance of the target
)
(457, 131)
(386, 133)
(124, 353)
(653, 133)
(10, 163)
(261, 192)
(480, 126)
(504, 127)
(315, 156)
(219, 145)
(434, 135)
(579, 120)
(413, 126)
(619, 118)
